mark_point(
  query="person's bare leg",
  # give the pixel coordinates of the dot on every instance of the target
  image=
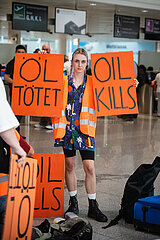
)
(70, 175)
(71, 182)
(90, 184)
(90, 178)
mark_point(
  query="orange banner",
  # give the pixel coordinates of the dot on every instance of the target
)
(49, 200)
(113, 83)
(37, 84)
(20, 201)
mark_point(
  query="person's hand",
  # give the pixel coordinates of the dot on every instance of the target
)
(21, 161)
(21, 154)
(10, 138)
(136, 82)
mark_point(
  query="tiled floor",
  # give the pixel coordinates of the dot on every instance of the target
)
(120, 148)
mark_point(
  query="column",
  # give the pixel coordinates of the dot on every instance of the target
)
(60, 44)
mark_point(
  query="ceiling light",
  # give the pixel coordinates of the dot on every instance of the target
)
(144, 11)
(93, 4)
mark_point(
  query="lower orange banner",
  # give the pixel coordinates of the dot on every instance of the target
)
(50, 185)
(20, 201)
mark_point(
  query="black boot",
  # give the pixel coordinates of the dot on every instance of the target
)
(94, 211)
(73, 205)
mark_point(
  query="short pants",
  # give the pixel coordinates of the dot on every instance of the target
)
(85, 154)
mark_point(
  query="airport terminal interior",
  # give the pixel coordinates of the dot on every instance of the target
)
(123, 143)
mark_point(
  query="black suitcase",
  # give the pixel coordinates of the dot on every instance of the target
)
(147, 214)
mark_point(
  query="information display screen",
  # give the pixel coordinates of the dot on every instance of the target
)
(126, 26)
(70, 21)
(152, 29)
(29, 17)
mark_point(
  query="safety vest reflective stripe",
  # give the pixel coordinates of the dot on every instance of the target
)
(4, 178)
(59, 125)
(89, 110)
(3, 184)
(17, 135)
(87, 122)
(63, 113)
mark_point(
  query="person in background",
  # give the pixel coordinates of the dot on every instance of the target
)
(75, 130)
(145, 77)
(8, 123)
(0, 68)
(67, 65)
(37, 50)
(151, 74)
(8, 77)
(151, 77)
(156, 84)
(45, 122)
(46, 48)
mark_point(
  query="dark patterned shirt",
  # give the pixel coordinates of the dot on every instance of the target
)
(74, 138)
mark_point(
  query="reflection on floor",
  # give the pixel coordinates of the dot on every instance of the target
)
(121, 146)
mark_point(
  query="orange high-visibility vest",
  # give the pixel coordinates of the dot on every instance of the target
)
(3, 184)
(59, 123)
(17, 135)
(87, 116)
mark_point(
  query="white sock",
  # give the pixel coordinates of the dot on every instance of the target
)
(92, 196)
(73, 193)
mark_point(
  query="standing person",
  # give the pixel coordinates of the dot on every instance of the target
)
(37, 50)
(46, 48)
(8, 122)
(67, 65)
(75, 130)
(8, 77)
(144, 77)
(45, 122)
(157, 92)
(151, 74)
(0, 68)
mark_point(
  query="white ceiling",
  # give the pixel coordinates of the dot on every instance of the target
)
(99, 17)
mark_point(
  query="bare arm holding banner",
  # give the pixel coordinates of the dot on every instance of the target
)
(10, 138)
(8, 122)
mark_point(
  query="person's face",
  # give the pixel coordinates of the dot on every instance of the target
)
(79, 63)
(46, 49)
(20, 51)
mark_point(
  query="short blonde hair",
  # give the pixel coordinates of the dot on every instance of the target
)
(80, 51)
